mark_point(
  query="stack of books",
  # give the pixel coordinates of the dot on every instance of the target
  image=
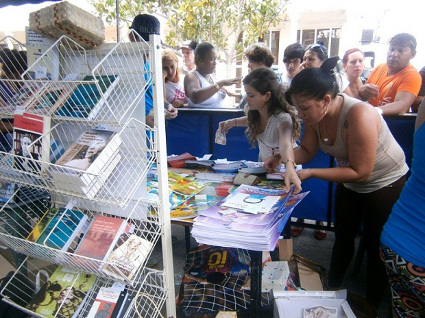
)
(88, 162)
(250, 217)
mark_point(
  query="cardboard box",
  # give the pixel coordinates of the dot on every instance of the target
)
(292, 303)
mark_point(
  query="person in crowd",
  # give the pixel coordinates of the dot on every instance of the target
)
(392, 87)
(370, 168)
(314, 56)
(259, 55)
(292, 58)
(403, 236)
(173, 86)
(144, 25)
(353, 64)
(202, 90)
(188, 52)
(421, 93)
(271, 121)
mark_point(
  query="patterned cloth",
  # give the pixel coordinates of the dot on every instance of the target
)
(407, 285)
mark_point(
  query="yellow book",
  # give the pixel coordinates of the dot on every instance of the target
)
(41, 224)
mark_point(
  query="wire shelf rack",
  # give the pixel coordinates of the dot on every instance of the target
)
(61, 237)
(30, 281)
(104, 85)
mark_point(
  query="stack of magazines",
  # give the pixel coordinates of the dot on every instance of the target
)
(250, 217)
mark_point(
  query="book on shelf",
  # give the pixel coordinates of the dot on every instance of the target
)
(63, 294)
(108, 301)
(88, 162)
(127, 259)
(50, 97)
(7, 190)
(17, 99)
(88, 98)
(101, 237)
(42, 224)
(31, 141)
(63, 228)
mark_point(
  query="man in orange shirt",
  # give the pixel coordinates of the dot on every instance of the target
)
(393, 86)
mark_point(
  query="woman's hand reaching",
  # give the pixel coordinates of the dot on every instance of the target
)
(225, 126)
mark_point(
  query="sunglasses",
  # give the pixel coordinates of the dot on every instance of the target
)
(316, 47)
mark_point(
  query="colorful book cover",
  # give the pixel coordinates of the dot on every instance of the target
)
(42, 224)
(84, 151)
(107, 302)
(255, 200)
(31, 142)
(129, 257)
(101, 237)
(68, 226)
(86, 100)
(63, 294)
(52, 96)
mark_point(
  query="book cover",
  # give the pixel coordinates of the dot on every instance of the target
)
(7, 190)
(252, 199)
(84, 151)
(42, 224)
(52, 96)
(101, 237)
(108, 301)
(129, 257)
(31, 142)
(88, 98)
(69, 224)
(63, 294)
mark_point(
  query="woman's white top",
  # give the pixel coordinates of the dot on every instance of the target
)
(212, 102)
(268, 140)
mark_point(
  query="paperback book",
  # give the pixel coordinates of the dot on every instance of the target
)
(63, 294)
(108, 301)
(50, 97)
(63, 228)
(88, 98)
(101, 237)
(42, 224)
(125, 261)
(31, 141)
(7, 190)
(88, 162)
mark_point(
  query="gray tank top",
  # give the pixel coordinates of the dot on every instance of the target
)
(390, 162)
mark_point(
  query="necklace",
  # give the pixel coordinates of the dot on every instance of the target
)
(325, 135)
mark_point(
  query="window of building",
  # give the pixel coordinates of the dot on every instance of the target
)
(330, 37)
(272, 40)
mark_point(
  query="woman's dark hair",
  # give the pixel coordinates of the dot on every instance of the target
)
(201, 51)
(265, 80)
(316, 82)
(320, 49)
(259, 53)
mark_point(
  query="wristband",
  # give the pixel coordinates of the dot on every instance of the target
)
(217, 86)
(292, 161)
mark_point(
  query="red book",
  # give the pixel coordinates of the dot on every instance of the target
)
(101, 237)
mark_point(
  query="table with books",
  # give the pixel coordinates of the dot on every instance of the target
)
(216, 212)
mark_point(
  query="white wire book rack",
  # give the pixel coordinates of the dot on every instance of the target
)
(74, 92)
(103, 85)
(65, 299)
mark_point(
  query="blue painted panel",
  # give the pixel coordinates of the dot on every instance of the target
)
(188, 133)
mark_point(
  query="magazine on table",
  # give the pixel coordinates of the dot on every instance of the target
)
(252, 199)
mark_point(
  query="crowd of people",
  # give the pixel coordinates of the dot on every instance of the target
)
(315, 106)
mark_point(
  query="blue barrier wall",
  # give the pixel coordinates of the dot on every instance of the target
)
(194, 130)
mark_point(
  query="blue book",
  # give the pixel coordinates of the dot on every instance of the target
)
(63, 228)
